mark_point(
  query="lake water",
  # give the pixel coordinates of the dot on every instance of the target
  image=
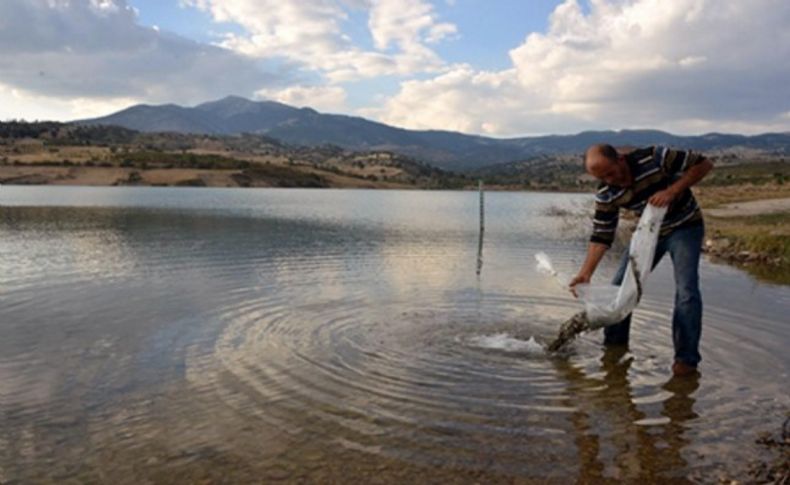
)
(255, 335)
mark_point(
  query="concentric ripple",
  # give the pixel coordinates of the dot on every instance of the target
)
(396, 375)
(331, 336)
(418, 385)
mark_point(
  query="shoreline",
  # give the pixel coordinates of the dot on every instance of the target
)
(747, 226)
(82, 176)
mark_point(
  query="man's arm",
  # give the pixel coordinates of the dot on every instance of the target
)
(605, 220)
(595, 252)
(690, 177)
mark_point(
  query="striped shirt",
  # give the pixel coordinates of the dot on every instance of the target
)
(654, 169)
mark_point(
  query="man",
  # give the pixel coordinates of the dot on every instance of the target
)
(662, 177)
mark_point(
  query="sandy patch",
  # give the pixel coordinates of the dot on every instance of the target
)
(752, 208)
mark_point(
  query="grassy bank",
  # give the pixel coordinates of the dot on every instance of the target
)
(759, 243)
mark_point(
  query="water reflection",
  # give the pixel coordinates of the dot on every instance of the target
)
(612, 435)
(326, 336)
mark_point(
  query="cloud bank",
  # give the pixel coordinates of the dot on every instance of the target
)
(684, 65)
(77, 55)
(311, 33)
(688, 66)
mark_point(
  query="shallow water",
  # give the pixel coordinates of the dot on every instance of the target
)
(331, 335)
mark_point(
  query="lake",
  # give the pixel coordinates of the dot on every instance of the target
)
(257, 335)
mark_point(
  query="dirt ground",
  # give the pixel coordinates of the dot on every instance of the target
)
(751, 208)
(97, 176)
(112, 176)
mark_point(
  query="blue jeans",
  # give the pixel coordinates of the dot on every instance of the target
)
(684, 246)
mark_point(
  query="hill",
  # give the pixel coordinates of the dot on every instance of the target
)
(444, 149)
(55, 153)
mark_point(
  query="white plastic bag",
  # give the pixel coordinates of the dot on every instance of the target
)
(607, 304)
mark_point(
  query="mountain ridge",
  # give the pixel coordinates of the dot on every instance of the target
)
(445, 149)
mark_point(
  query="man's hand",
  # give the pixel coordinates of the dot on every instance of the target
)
(663, 198)
(579, 278)
(691, 177)
(595, 252)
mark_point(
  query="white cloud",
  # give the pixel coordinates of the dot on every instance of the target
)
(685, 64)
(470, 101)
(310, 32)
(692, 60)
(298, 30)
(406, 23)
(322, 98)
(681, 65)
(104, 6)
(95, 53)
(17, 103)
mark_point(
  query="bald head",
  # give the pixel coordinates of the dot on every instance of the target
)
(598, 157)
(604, 163)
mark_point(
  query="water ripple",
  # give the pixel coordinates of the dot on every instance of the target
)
(260, 339)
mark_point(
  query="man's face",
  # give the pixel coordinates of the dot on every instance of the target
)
(611, 172)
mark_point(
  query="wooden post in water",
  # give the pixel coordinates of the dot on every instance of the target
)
(482, 229)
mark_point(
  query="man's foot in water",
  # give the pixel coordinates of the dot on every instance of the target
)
(681, 369)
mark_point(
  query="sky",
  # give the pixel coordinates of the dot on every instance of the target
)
(497, 68)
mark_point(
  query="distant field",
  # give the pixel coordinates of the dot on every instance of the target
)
(257, 160)
(746, 172)
(53, 153)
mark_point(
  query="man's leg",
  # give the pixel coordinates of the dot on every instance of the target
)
(685, 246)
(617, 334)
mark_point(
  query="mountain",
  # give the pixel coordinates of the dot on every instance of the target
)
(168, 117)
(445, 149)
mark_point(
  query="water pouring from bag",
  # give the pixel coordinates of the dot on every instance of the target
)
(545, 267)
(606, 304)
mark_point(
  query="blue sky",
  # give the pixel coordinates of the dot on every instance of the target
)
(489, 28)
(187, 21)
(498, 68)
